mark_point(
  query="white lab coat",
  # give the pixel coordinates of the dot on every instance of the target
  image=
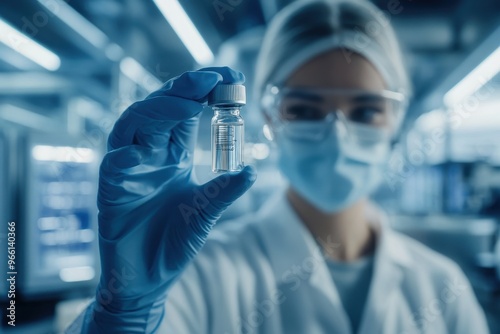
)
(265, 274)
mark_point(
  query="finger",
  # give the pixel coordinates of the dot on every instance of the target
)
(180, 141)
(123, 158)
(173, 103)
(225, 189)
(185, 134)
(131, 173)
(114, 185)
(192, 86)
(208, 202)
(196, 85)
(229, 76)
(150, 122)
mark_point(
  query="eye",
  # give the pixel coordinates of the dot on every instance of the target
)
(370, 115)
(302, 112)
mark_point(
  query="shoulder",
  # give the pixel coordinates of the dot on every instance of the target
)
(439, 287)
(430, 276)
(425, 261)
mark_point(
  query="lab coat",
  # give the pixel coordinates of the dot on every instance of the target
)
(266, 274)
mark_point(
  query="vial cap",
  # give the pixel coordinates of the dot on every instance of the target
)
(226, 94)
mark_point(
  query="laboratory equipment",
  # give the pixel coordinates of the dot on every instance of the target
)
(58, 216)
(227, 127)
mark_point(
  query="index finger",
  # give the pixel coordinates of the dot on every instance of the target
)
(177, 86)
(151, 121)
(163, 111)
(177, 101)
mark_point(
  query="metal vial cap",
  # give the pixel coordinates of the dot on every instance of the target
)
(227, 95)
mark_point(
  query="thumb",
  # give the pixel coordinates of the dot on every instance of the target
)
(223, 190)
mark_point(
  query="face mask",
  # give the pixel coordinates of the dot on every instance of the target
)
(332, 173)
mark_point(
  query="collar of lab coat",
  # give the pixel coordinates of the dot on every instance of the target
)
(291, 247)
(289, 243)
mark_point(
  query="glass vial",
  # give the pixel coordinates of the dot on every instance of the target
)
(227, 127)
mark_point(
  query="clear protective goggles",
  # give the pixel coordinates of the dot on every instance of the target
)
(362, 116)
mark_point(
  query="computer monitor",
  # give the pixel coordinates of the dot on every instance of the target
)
(58, 216)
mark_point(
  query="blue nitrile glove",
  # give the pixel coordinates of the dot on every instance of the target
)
(153, 218)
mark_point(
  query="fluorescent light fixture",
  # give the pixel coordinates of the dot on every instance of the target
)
(114, 52)
(474, 80)
(138, 74)
(88, 108)
(14, 60)
(63, 154)
(26, 118)
(186, 30)
(77, 22)
(24, 45)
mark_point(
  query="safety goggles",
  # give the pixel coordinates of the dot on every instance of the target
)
(359, 115)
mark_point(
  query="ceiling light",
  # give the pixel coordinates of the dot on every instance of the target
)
(77, 22)
(473, 81)
(138, 74)
(24, 45)
(186, 30)
(23, 117)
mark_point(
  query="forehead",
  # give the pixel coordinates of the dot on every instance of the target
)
(340, 69)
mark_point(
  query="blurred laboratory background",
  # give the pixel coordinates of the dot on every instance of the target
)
(68, 69)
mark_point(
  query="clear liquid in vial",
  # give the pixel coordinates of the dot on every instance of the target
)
(227, 147)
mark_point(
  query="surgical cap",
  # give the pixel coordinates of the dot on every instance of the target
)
(307, 28)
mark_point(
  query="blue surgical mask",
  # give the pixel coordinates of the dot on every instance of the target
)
(334, 172)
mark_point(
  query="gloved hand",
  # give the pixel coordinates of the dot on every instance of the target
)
(153, 218)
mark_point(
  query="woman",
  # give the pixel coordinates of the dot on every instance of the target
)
(318, 258)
